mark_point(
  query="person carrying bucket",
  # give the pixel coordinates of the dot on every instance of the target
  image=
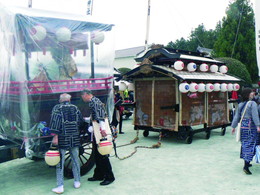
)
(103, 170)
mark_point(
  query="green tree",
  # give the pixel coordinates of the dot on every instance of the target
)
(123, 70)
(236, 37)
(198, 37)
(237, 68)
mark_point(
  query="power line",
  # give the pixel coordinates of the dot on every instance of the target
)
(238, 26)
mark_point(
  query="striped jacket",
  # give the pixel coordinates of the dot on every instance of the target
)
(65, 121)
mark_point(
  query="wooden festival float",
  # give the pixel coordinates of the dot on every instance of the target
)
(44, 54)
(181, 92)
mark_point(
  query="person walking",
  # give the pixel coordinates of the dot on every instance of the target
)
(120, 110)
(250, 127)
(65, 121)
(103, 170)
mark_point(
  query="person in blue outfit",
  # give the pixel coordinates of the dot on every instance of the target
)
(103, 170)
(65, 122)
(250, 127)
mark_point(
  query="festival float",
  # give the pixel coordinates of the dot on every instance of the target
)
(44, 54)
(181, 92)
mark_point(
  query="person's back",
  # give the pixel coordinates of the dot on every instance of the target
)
(65, 121)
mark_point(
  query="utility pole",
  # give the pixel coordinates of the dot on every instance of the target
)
(147, 25)
(89, 12)
(30, 3)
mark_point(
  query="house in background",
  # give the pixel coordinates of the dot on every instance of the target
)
(125, 58)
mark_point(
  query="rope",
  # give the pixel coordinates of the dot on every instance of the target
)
(154, 146)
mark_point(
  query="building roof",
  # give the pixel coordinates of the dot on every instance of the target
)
(163, 55)
(129, 52)
(180, 75)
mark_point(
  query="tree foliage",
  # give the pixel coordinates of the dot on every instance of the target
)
(123, 70)
(236, 38)
(237, 68)
(233, 37)
(198, 37)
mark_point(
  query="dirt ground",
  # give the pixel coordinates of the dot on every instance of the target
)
(204, 167)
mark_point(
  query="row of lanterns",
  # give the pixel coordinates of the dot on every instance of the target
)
(63, 34)
(209, 87)
(179, 65)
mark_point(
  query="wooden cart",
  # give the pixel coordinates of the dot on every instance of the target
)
(161, 107)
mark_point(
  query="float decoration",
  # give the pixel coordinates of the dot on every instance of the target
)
(223, 69)
(130, 86)
(97, 37)
(178, 65)
(122, 86)
(214, 68)
(184, 87)
(204, 67)
(63, 34)
(161, 94)
(38, 33)
(194, 87)
(230, 87)
(223, 87)
(236, 87)
(191, 67)
(202, 87)
(216, 87)
(209, 87)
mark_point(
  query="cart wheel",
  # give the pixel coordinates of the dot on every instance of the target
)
(188, 140)
(207, 135)
(86, 159)
(223, 131)
(145, 133)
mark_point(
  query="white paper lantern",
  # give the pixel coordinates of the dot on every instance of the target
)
(63, 34)
(194, 87)
(223, 87)
(209, 87)
(52, 157)
(204, 67)
(223, 69)
(202, 87)
(97, 37)
(230, 87)
(178, 65)
(184, 87)
(214, 68)
(130, 86)
(236, 87)
(38, 33)
(122, 86)
(191, 67)
(216, 87)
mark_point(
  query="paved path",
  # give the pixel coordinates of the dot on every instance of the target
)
(203, 167)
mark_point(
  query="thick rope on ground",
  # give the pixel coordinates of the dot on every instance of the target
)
(154, 146)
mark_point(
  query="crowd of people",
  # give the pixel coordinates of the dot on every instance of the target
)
(248, 113)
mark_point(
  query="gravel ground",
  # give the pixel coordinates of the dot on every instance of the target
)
(204, 167)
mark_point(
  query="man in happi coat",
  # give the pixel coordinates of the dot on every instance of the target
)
(65, 121)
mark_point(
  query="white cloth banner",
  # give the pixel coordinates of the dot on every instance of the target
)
(257, 32)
